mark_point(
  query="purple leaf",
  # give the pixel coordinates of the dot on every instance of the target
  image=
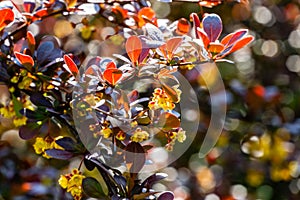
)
(212, 25)
(59, 154)
(166, 196)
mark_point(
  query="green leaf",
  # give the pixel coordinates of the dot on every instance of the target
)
(17, 106)
(92, 188)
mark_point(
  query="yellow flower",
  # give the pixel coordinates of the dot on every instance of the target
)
(121, 135)
(162, 100)
(181, 135)
(139, 135)
(72, 183)
(40, 145)
(20, 121)
(63, 181)
(106, 132)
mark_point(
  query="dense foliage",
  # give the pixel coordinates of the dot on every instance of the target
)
(149, 100)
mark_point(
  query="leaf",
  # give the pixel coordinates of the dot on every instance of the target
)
(151, 180)
(18, 106)
(120, 180)
(168, 121)
(71, 66)
(212, 25)
(183, 26)
(92, 188)
(172, 45)
(203, 37)
(132, 96)
(89, 164)
(196, 22)
(59, 154)
(27, 133)
(24, 59)
(238, 45)
(172, 94)
(112, 76)
(7, 16)
(133, 48)
(154, 33)
(233, 37)
(67, 143)
(39, 99)
(31, 41)
(135, 156)
(166, 196)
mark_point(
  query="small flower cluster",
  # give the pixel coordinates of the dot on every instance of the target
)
(72, 183)
(42, 144)
(161, 99)
(178, 135)
(139, 135)
(9, 111)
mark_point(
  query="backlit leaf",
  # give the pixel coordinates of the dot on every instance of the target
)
(71, 66)
(212, 25)
(194, 17)
(172, 45)
(238, 45)
(7, 16)
(133, 48)
(135, 156)
(112, 75)
(24, 59)
(233, 37)
(168, 121)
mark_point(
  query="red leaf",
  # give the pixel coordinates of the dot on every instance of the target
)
(212, 25)
(172, 45)
(24, 59)
(204, 37)
(40, 14)
(7, 16)
(233, 37)
(196, 22)
(71, 66)
(238, 45)
(111, 65)
(112, 76)
(133, 48)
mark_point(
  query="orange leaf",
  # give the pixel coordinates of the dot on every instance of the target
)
(7, 16)
(238, 45)
(30, 38)
(233, 37)
(71, 66)
(168, 121)
(146, 13)
(172, 45)
(133, 48)
(40, 14)
(183, 26)
(111, 65)
(112, 76)
(24, 59)
(204, 37)
(215, 47)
